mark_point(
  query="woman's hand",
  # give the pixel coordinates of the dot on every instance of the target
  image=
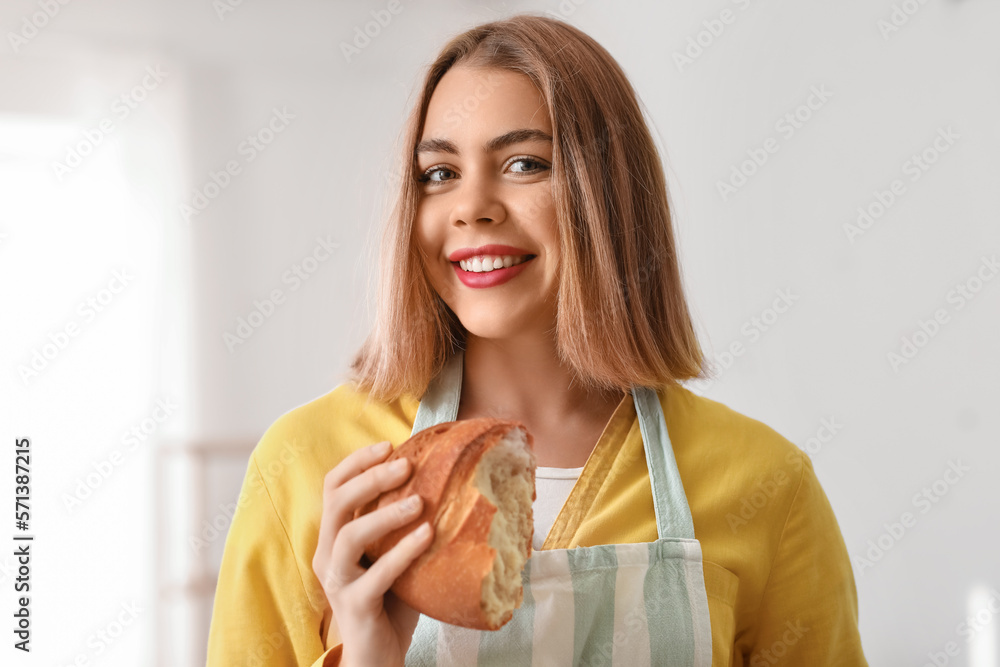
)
(376, 627)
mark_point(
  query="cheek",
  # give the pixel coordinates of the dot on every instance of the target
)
(430, 245)
(537, 205)
(421, 229)
(426, 240)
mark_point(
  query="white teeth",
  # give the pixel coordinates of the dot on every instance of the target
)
(487, 263)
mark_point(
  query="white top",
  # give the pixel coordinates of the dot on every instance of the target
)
(552, 487)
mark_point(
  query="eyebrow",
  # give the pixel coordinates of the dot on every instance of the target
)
(491, 146)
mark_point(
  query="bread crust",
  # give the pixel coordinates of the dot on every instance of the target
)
(445, 582)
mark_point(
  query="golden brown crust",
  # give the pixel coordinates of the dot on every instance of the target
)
(445, 582)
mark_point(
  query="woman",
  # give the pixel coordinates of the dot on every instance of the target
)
(530, 272)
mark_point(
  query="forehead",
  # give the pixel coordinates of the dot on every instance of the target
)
(477, 102)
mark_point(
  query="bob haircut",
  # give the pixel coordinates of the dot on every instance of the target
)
(622, 318)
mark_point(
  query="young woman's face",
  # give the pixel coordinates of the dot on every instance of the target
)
(484, 160)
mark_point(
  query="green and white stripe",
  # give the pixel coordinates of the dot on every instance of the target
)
(617, 605)
(566, 618)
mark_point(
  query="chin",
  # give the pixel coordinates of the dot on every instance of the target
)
(491, 325)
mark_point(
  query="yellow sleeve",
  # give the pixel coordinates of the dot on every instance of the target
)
(262, 614)
(808, 613)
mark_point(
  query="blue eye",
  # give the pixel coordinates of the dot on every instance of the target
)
(538, 165)
(439, 174)
(426, 176)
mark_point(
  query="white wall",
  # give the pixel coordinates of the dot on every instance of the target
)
(324, 175)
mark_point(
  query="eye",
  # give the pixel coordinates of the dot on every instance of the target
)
(522, 164)
(536, 165)
(429, 175)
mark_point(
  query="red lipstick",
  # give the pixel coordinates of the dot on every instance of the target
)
(492, 278)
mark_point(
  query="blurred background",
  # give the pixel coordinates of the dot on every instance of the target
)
(190, 195)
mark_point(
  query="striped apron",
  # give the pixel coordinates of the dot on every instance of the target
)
(615, 604)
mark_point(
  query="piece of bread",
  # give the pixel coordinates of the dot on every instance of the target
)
(477, 481)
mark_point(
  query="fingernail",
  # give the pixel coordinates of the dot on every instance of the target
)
(424, 530)
(383, 447)
(399, 465)
(411, 503)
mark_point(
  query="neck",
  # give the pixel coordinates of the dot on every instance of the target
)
(522, 378)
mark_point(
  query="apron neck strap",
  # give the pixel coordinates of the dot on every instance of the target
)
(673, 515)
(439, 404)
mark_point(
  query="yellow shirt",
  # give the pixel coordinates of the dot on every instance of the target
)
(778, 575)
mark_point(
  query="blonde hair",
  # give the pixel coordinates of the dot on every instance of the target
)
(622, 318)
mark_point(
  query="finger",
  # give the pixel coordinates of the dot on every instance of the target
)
(339, 505)
(380, 576)
(350, 544)
(342, 568)
(357, 462)
(353, 464)
(352, 494)
(335, 574)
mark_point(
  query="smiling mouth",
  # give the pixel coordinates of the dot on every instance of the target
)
(488, 263)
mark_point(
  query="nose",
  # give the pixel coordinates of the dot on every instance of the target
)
(477, 199)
